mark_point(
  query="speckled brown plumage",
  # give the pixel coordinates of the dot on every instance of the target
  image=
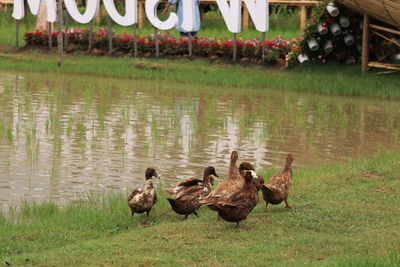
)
(233, 184)
(277, 189)
(237, 206)
(184, 198)
(142, 200)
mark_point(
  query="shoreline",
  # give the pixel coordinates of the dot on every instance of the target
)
(337, 80)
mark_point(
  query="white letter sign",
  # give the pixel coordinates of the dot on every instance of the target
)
(130, 17)
(151, 12)
(34, 6)
(87, 16)
(258, 10)
(232, 15)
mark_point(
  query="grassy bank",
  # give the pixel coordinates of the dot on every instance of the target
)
(343, 215)
(326, 79)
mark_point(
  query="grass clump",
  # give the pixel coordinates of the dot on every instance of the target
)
(343, 215)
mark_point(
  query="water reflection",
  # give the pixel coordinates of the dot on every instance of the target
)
(65, 135)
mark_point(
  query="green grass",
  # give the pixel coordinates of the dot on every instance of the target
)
(326, 79)
(342, 215)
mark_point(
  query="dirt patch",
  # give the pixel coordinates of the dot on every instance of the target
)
(384, 189)
(148, 66)
(372, 175)
(5, 47)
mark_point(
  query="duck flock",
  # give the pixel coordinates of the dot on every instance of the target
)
(233, 199)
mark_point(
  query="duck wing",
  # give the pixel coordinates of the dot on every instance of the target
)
(228, 204)
(281, 180)
(184, 187)
(134, 193)
(227, 188)
(277, 189)
(191, 182)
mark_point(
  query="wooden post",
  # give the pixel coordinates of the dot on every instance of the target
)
(90, 36)
(17, 33)
(190, 45)
(365, 44)
(156, 43)
(245, 19)
(110, 48)
(303, 17)
(66, 30)
(141, 14)
(135, 41)
(263, 48)
(50, 36)
(234, 47)
(59, 36)
(98, 16)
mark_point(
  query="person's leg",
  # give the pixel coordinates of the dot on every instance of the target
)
(183, 34)
(194, 35)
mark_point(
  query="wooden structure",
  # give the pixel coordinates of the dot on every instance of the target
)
(387, 11)
(4, 4)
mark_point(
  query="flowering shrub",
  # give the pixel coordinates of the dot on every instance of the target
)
(169, 45)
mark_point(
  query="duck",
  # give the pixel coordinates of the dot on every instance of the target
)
(277, 189)
(142, 200)
(185, 197)
(248, 166)
(231, 185)
(238, 205)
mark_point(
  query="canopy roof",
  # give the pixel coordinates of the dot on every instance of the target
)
(384, 10)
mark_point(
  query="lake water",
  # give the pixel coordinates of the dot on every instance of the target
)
(64, 136)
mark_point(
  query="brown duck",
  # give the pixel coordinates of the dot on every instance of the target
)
(142, 200)
(184, 198)
(238, 205)
(277, 189)
(233, 184)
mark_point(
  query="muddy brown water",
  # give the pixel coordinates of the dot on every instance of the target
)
(65, 136)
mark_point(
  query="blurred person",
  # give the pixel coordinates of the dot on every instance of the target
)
(179, 8)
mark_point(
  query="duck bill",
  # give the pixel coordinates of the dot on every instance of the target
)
(156, 175)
